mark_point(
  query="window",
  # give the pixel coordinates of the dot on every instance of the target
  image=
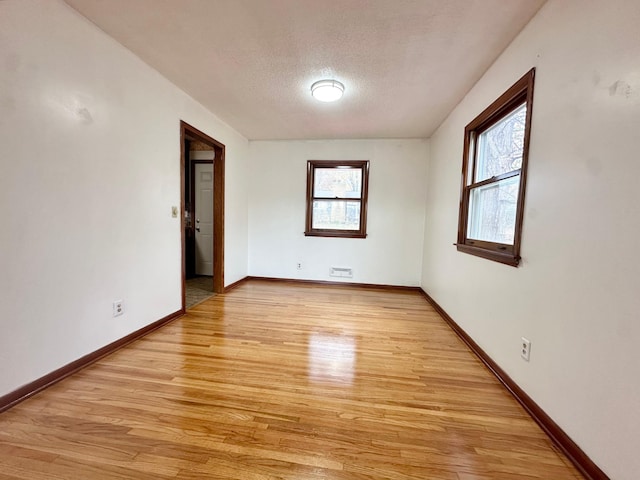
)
(494, 168)
(337, 198)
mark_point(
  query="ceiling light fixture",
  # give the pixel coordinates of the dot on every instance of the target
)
(327, 90)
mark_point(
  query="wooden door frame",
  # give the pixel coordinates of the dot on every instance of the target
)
(188, 132)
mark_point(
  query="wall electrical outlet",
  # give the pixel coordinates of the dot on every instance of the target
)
(118, 308)
(525, 349)
(299, 266)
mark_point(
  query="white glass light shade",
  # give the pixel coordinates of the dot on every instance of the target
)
(327, 90)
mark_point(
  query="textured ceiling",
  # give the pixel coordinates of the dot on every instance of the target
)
(405, 63)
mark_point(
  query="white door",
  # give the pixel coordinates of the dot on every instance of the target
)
(204, 218)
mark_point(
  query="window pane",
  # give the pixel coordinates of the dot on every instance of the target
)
(492, 211)
(335, 214)
(338, 183)
(500, 147)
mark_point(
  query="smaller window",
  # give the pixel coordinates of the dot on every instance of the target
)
(494, 168)
(337, 198)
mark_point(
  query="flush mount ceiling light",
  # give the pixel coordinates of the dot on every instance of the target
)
(327, 90)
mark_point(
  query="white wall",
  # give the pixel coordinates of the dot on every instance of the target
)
(392, 252)
(90, 149)
(576, 294)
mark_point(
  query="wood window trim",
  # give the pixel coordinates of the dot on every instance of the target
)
(519, 93)
(316, 232)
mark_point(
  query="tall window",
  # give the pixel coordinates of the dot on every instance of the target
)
(337, 198)
(494, 168)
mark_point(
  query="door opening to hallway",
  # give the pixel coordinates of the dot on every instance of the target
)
(199, 285)
(202, 169)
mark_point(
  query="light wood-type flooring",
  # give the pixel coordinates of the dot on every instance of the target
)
(277, 380)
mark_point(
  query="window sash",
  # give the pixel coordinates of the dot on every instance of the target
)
(480, 141)
(480, 219)
(350, 183)
(334, 221)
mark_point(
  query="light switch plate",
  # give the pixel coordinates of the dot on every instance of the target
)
(174, 212)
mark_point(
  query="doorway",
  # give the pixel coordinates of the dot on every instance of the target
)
(202, 207)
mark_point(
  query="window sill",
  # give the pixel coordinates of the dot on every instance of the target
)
(335, 234)
(506, 258)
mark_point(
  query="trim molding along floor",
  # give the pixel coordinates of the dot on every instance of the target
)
(582, 462)
(12, 398)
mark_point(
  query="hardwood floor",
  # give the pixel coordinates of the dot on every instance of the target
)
(290, 381)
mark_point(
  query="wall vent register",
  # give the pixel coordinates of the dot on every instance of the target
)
(344, 272)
